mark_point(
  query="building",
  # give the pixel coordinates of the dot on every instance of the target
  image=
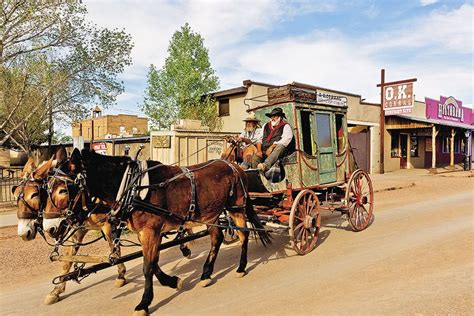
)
(436, 133)
(363, 117)
(109, 126)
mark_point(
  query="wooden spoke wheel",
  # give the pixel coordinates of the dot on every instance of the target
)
(360, 200)
(305, 222)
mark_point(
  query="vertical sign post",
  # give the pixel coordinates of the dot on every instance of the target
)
(396, 97)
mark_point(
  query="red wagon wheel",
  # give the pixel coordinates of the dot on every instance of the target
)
(305, 222)
(360, 200)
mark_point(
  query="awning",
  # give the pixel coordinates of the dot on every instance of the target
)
(404, 121)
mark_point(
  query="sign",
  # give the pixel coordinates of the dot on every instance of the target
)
(161, 141)
(398, 98)
(100, 148)
(330, 99)
(448, 109)
(214, 149)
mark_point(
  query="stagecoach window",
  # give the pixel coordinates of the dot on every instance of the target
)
(323, 130)
(306, 132)
(340, 133)
(224, 107)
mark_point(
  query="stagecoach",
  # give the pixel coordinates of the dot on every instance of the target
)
(320, 174)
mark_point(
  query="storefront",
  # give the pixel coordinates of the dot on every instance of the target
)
(441, 137)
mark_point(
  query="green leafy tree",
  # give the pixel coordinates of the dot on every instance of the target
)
(53, 66)
(181, 88)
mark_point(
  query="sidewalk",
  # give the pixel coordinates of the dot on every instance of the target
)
(406, 178)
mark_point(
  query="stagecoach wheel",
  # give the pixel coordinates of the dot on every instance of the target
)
(360, 200)
(305, 222)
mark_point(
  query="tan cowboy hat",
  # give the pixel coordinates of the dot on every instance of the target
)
(251, 118)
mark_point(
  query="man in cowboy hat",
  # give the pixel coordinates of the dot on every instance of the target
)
(277, 139)
(249, 142)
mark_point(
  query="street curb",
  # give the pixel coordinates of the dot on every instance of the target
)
(395, 188)
(449, 176)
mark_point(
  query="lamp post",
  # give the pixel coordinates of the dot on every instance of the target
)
(467, 156)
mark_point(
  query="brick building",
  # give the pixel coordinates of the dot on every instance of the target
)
(109, 126)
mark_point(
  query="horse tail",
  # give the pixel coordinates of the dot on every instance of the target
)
(252, 217)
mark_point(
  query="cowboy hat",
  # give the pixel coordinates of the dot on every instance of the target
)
(251, 118)
(277, 112)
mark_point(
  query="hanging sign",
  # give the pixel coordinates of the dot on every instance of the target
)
(100, 148)
(398, 98)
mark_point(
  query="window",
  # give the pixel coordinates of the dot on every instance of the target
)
(414, 146)
(224, 107)
(340, 133)
(323, 130)
(446, 145)
(306, 132)
(395, 146)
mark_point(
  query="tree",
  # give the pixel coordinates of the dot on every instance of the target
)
(181, 88)
(54, 66)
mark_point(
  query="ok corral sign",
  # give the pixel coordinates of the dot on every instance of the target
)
(398, 98)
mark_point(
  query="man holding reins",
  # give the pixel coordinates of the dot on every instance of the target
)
(277, 140)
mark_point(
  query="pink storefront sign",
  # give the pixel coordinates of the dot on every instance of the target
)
(448, 109)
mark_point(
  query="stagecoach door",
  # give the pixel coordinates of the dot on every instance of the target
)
(325, 140)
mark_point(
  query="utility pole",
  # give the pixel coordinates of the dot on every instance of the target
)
(382, 122)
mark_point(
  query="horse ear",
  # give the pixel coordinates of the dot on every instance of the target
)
(29, 167)
(75, 163)
(42, 170)
(61, 154)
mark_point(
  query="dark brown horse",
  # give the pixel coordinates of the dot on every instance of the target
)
(31, 199)
(219, 185)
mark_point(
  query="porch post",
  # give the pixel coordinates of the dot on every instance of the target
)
(408, 151)
(451, 151)
(433, 149)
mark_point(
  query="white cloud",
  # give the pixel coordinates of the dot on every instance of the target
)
(427, 48)
(427, 2)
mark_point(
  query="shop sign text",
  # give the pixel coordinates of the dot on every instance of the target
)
(398, 98)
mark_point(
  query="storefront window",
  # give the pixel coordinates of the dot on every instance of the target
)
(395, 147)
(414, 146)
(447, 145)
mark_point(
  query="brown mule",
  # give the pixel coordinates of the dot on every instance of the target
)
(31, 198)
(219, 185)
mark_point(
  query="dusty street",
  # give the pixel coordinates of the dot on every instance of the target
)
(416, 257)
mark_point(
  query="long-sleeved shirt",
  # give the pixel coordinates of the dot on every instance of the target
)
(255, 136)
(286, 137)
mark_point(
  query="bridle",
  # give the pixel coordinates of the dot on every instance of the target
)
(32, 213)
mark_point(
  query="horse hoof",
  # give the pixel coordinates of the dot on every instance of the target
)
(205, 282)
(119, 282)
(140, 313)
(179, 284)
(240, 274)
(51, 299)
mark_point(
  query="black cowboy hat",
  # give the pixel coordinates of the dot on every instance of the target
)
(276, 111)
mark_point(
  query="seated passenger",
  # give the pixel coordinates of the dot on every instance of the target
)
(277, 140)
(247, 142)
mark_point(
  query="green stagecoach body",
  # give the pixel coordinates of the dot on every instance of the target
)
(322, 157)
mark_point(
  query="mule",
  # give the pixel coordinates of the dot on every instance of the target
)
(32, 197)
(218, 185)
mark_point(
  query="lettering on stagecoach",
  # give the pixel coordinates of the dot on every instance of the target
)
(330, 99)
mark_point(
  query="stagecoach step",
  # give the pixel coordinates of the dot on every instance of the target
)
(82, 259)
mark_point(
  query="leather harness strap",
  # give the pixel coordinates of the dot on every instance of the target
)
(192, 179)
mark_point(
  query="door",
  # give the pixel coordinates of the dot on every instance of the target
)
(326, 146)
(403, 150)
(360, 145)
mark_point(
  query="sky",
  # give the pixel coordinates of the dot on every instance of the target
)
(336, 44)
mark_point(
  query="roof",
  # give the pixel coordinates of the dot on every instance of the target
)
(229, 92)
(437, 122)
(308, 86)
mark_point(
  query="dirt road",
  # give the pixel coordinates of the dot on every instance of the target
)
(417, 257)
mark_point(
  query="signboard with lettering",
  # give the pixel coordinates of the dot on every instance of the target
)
(214, 149)
(398, 98)
(448, 109)
(330, 99)
(100, 148)
(161, 141)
